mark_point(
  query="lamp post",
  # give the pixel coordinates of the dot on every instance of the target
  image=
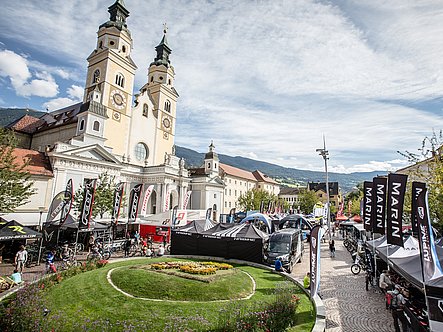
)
(325, 153)
(40, 210)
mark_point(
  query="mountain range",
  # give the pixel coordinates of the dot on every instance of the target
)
(284, 175)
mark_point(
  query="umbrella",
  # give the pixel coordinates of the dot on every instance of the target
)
(13, 230)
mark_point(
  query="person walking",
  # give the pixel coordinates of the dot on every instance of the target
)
(397, 303)
(128, 243)
(332, 248)
(20, 259)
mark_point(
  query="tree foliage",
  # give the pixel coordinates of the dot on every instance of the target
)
(354, 198)
(251, 200)
(428, 168)
(307, 199)
(103, 198)
(15, 184)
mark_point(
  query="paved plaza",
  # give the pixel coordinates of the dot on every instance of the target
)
(349, 307)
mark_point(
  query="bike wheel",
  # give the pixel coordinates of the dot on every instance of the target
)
(106, 254)
(355, 269)
(80, 247)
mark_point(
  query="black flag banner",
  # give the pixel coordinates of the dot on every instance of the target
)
(262, 206)
(118, 197)
(60, 205)
(232, 215)
(88, 201)
(417, 188)
(134, 199)
(394, 214)
(174, 216)
(208, 214)
(430, 263)
(314, 254)
(379, 204)
(367, 206)
(69, 197)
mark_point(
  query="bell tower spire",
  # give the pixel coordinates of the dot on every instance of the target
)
(117, 15)
(111, 72)
(163, 50)
(160, 85)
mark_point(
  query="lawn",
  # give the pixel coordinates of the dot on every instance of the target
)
(88, 300)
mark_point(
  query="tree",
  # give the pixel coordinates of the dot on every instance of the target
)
(354, 198)
(251, 200)
(307, 200)
(15, 184)
(103, 198)
(428, 168)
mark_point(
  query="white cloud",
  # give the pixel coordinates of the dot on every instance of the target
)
(267, 79)
(75, 95)
(15, 67)
(75, 92)
(57, 103)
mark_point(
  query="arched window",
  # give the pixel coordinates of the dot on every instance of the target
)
(120, 80)
(96, 76)
(141, 152)
(168, 106)
(96, 126)
(124, 49)
(82, 125)
(145, 110)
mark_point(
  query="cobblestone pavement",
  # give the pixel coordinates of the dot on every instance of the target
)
(349, 307)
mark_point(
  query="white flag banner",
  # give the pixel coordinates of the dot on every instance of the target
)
(168, 194)
(148, 193)
(186, 200)
(325, 211)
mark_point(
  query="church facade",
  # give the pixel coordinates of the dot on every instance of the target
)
(129, 137)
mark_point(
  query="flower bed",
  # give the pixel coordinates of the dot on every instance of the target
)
(204, 268)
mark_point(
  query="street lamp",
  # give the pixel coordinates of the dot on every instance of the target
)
(40, 210)
(324, 153)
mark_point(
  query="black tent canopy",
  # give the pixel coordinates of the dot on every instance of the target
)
(13, 230)
(239, 241)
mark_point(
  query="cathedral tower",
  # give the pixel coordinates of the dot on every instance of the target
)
(161, 88)
(111, 71)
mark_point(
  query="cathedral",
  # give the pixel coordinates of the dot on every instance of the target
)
(130, 136)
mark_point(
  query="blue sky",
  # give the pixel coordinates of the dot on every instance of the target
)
(262, 79)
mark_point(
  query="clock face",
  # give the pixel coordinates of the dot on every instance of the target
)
(166, 123)
(118, 99)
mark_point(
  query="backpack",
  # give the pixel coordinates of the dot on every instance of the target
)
(394, 301)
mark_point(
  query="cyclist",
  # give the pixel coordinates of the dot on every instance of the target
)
(66, 255)
(50, 256)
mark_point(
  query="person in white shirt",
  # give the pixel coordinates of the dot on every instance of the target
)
(161, 250)
(20, 259)
(384, 281)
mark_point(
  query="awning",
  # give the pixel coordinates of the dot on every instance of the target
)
(13, 230)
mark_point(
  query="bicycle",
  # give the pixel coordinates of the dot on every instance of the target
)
(370, 280)
(358, 265)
